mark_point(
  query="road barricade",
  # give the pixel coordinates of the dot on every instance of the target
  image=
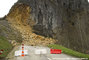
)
(40, 51)
(55, 51)
(1, 51)
(19, 53)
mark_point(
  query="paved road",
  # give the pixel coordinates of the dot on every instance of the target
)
(48, 56)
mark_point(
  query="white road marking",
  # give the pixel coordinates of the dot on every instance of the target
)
(67, 58)
(49, 59)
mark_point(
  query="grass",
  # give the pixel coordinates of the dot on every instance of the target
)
(6, 46)
(69, 51)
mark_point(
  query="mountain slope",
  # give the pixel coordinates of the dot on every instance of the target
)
(18, 19)
(64, 20)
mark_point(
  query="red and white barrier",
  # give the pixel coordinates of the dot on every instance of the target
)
(40, 51)
(22, 50)
(55, 51)
(1, 51)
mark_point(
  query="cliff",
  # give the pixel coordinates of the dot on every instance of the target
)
(64, 20)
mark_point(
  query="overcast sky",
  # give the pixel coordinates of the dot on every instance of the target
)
(5, 6)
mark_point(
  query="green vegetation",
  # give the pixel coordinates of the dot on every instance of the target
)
(6, 46)
(69, 51)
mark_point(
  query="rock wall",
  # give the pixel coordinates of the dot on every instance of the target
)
(65, 20)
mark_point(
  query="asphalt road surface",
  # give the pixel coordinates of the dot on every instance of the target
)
(32, 56)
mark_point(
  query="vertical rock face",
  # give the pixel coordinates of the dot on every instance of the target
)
(19, 19)
(65, 20)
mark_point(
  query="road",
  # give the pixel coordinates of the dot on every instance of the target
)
(32, 56)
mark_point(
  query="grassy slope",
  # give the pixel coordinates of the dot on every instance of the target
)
(6, 46)
(69, 51)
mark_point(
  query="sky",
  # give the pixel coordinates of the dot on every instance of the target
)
(5, 6)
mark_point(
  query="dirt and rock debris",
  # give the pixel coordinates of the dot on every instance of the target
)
(18, 20)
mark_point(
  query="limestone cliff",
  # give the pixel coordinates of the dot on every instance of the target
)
(20, 21)
(64, 20)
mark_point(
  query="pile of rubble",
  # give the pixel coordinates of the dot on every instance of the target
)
(39, 40)
(30, 38)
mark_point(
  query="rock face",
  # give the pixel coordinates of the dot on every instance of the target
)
(18, 19)
(64, 20)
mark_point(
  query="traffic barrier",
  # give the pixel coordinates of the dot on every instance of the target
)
(55, 51)
(19, 53)
(40, 51)
(22, 50)
(1, 51)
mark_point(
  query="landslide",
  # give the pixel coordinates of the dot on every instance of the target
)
(19, 19)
